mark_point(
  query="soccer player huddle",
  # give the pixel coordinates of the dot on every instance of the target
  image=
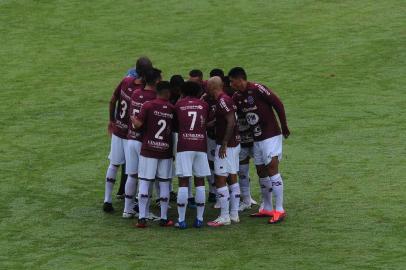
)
(200, 129)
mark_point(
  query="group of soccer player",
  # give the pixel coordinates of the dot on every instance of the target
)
(200, 129)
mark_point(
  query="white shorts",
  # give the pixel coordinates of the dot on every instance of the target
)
(265, 150)
(117, 150)
(211, 149)
(192, 163)
(132, 156)
(151, 168)
(246, 152)
(229, 164)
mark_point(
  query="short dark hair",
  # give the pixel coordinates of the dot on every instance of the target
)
(176, 81)
(196, 73)
(217, 72)
(143, 64)
(152, 75)
(237, 72)
(163, 86)
(226, 81)
(191, 89)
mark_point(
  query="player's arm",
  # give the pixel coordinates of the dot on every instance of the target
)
(140, 119)
(112, 107)
(277, 104)
(230, 119)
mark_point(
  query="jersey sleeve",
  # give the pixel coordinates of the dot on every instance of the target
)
(273, 100)
(226, 106)
(142, 116)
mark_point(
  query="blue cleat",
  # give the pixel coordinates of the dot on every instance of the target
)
(198, 223)
(181, 225)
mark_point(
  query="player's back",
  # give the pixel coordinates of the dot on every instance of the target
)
(192, 114)
(157, 116)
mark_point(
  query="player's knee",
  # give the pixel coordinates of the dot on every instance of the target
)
(273, 166)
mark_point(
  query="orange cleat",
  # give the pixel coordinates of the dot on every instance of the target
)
(263, 213)
(278, 216)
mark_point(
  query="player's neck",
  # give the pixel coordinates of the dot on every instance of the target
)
(149, 88)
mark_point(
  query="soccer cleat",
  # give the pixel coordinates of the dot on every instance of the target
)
(212, 197)
(198, 223)
(263, 213)
(235, 219)
(165, 223)
(254, 202)
(108, 207)
(191, 203)
(278, 216)
(129, 215)
(173, 196)
(181, 225)
(153, 217)
(220, 221)
(244, 206)
(142, 223)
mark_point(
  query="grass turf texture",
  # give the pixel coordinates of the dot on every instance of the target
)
(338, 66)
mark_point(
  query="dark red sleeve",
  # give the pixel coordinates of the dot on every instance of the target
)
(142, 116)
(275, 102)
(113, 102)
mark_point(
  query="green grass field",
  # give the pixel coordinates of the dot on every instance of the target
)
(339, 67)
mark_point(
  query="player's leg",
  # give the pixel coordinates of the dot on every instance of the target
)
(243, 175)
(164, 175)
(273, 148)
(234, 186)
(221, 174)
(132, 160)
(147, 169)
(117, 158)
(200, 170)
(264, 182)
(121, 190)
(184, 161)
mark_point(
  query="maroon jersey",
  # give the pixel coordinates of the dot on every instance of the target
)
(191, 115)
(157, 117)
(139, 97)
(123, 94)
(211, 102)
(247, 138)
(225, 105)
(257, 103)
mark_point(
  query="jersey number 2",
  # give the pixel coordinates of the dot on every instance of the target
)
(161, 123)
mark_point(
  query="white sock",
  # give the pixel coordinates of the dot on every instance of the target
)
(130, 188)
(200, 199)
(182, 203)
(110, 180)
(224, 197)
(212, 185)
(190, 189)
(150, 190)
(277, 190)
(234, 199)
(243, 176)
(164, 198)
(266, 191)
(143, 197)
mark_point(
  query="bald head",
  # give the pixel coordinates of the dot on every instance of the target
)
(214, 85)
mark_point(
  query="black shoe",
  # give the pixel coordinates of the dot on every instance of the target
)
(173, 196)
(165, 223)
(191, 203)
(108, 207)
(212, 197)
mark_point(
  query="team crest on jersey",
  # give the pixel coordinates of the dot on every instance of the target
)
(141, 96)
(252, 118)
(250, 100)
